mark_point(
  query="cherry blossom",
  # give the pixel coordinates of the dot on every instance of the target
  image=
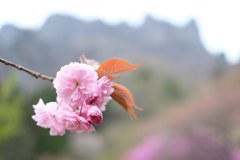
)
(81, 98)
(95, 115)
(46, 116)
(74, 82)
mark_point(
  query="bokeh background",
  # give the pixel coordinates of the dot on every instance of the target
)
(188, 85)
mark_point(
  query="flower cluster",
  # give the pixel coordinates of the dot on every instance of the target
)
(81, 97)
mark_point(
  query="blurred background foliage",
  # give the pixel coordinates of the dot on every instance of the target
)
(20, 139)
(11, 110)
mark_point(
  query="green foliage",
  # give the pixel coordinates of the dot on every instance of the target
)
(13, 133)
(19, 135)
(49, 144)
(172, 89)
(44, 142)
(11, 103)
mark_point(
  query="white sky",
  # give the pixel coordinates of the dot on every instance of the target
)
(218, 20)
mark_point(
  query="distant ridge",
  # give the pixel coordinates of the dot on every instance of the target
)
(63, 38)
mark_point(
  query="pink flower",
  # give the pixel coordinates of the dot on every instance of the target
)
(45, 116)
(60, 117)
(95, 115)
(73, 121)
(74, 82)
(78, 124)
(102, 94)
(81, 98)
(106, 86)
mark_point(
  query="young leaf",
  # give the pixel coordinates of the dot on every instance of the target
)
(124, 97)
(102, 73)
(113, 66)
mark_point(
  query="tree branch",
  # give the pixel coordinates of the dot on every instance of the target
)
(21, 68)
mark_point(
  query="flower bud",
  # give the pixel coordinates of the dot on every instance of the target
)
(95, 115)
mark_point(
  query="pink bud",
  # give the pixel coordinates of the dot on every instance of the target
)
(95, 115)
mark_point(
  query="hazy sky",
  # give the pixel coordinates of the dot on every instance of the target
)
(218, 20)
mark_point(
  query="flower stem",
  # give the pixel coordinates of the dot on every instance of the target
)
(28, 71)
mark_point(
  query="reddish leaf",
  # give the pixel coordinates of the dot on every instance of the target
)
(102, 73)
(124, 97)
(113, 66)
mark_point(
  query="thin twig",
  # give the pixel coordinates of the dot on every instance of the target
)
(32, 73)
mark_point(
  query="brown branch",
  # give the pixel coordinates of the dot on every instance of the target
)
(32, 73)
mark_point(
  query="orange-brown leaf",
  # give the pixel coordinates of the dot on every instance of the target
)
(124, 97)
(113, 66)
(102, 73)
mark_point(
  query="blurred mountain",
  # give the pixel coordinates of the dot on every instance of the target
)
(156, 43)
